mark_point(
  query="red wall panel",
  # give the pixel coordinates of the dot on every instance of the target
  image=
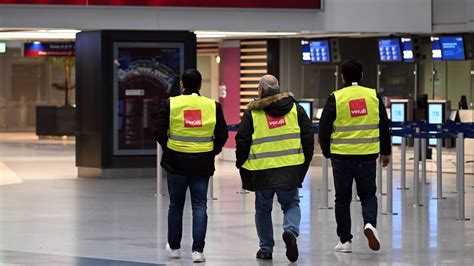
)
(303, 4)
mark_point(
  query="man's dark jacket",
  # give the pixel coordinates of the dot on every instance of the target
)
(326, 128)
(275, 104)
(189, 164)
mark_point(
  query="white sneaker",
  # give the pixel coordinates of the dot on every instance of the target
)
(172, 253)
(372, 236)
(198, 257)
(344, 248)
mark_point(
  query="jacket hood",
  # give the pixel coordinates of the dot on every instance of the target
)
(275, 105)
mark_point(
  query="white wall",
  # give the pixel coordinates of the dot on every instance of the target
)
(377, 16)
(453, 15)
(337, 16)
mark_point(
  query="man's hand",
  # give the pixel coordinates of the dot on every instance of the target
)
(384, 160)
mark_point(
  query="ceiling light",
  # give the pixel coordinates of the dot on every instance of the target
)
(223, 34)
(39, 35)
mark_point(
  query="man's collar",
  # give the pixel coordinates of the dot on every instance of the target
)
(189, 92)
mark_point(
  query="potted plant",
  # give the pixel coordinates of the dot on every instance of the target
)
(58, 120)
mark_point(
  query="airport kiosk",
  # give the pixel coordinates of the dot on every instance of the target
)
(400, 111)
(438, 114)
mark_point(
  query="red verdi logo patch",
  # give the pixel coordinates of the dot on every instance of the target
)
(358, 107)
(274, 122)
(192, 118)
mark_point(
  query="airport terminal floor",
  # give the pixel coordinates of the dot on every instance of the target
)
(50, 217)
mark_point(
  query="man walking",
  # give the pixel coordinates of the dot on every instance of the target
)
(353, 132)
(274, 148)
(191, 131)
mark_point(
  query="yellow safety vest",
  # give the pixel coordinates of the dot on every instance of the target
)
(192, 123)
(356, 128)
(276, 141)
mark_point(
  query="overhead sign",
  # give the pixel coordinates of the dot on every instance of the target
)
(301, 4)
(38, 49)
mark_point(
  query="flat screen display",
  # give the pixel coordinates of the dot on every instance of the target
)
(308, 108)
(316, 51)
(306, 53)
(436, 49)
(435, 116)
(407, 50)
(452, 48)
(389, 50)
(319, 51)
(397, 114)
(453, 115)
(145, 75)
(435, 113)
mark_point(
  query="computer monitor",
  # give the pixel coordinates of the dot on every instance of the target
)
(436, 49)
(389, 50)
(308, 107)
(452, 47)
(436, 115)
(453, 116)
(407, 50)
(398, 113)
(421, 106)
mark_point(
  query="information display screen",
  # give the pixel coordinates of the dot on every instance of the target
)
(435, 113)
(452, 48)
(397, 114)
(320, 51)
(306, 53)
(407, 50)
(316, 51)
(308, 108)
(145, 75)
(435, 116)
(3, 47)
(389, 50)
(436, 49)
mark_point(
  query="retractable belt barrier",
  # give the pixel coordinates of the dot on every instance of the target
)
(420, 132)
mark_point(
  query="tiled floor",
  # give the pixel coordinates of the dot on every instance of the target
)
(53, 218)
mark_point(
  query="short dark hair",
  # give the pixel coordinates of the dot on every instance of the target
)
(351, 70)
(191, 79)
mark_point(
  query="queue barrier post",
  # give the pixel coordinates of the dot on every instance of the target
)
(389, 210)
(423, 161)
(403, 166)
(439, 170)
(160, 174)
(324, 189)
(210, 191)
(416, 171)
(460, 178)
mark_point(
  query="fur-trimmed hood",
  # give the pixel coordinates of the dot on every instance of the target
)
(261, 103)
(274, 104)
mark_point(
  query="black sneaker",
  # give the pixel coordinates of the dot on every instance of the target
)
(264, 255)
(291, 247)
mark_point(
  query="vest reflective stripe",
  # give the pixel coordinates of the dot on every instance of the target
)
(276, 138)
(355, 130)
(276, 142)
(355, 141)
(275, 154)
(190, 139)
(192, 123)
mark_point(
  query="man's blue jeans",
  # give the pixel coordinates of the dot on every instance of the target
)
(290, 205)
(177, 187)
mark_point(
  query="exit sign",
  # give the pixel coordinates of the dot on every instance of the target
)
(3, 47)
